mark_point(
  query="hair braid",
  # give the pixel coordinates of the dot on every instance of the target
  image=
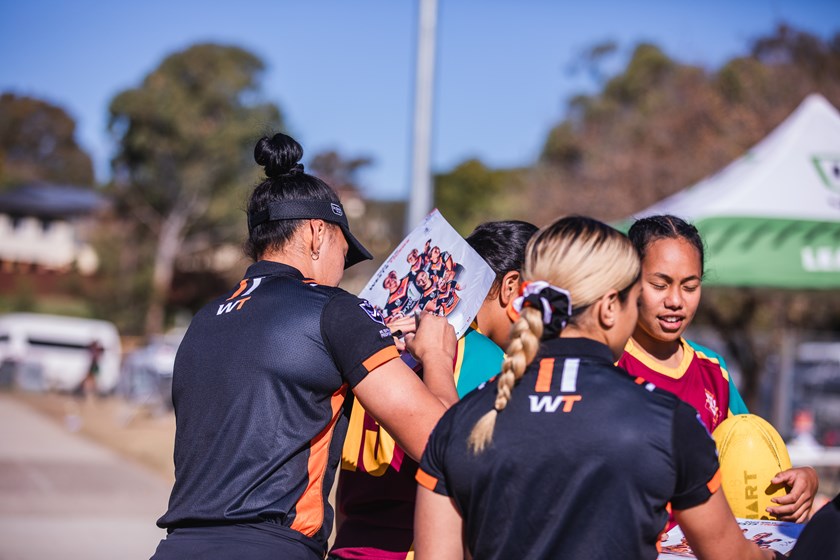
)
(581, 255)
(524, 344)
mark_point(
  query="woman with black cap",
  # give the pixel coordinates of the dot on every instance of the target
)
(262, 374)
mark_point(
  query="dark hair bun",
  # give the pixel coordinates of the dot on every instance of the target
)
(279, 155)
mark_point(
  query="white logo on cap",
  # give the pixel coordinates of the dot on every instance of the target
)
(336, 209)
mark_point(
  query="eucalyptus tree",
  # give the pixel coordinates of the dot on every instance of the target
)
(184, 159)
(38, 143)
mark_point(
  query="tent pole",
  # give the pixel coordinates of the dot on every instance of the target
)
(783, 392)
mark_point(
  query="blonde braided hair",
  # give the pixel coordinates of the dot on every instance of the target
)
(585, 257)
(524, 344)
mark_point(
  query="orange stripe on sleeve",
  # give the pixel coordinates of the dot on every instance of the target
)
(309, 509)
(714, 484)
(426, 480)
(385, 355)
(242, 286)
(544, 376)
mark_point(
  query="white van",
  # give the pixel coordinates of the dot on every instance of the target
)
(54, 352)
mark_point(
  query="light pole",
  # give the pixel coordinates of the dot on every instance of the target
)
(422, 194)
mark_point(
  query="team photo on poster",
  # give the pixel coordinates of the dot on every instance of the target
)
(433, 270)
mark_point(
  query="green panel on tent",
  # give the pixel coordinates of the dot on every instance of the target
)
(772, 218)
(766, 252)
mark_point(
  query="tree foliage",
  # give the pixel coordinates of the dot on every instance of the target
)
(655, 127)
(660, 125)
(184, 164)
(377, 224)
(340, 172)
(38, 143)
(470, 193)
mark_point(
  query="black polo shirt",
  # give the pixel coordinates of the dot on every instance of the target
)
(582, 463)
(258, 387)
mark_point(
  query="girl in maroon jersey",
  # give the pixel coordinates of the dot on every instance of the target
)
(672, 273)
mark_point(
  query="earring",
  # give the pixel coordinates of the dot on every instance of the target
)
(315, 255)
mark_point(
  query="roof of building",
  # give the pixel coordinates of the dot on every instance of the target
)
(50, 200)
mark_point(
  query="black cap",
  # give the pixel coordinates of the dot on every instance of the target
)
(309, 209)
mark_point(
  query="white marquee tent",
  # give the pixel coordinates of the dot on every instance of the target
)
(772, 217)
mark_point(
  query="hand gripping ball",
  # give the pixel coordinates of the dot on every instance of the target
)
(751, 453)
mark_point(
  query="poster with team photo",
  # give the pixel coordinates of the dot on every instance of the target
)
(433, 270)
(777, 535)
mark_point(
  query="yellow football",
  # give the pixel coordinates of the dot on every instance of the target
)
(751, 453)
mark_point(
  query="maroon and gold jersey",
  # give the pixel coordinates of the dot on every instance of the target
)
(699, 380)
(376, 487)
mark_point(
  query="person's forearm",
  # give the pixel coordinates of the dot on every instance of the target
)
(438, 528)
(438, 375)
(398, 400)
(743, 550)
(434, 346)
(713, 534)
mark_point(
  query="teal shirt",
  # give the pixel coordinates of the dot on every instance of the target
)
(477, 360)
(736, 403)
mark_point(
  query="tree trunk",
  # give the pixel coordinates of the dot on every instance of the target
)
(169, 244)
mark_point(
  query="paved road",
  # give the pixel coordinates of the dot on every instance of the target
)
(65, 497)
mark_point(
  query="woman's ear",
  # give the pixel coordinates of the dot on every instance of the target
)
(608, 307)
(509, 287)
(318, 230)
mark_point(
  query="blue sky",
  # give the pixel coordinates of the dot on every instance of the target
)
(343, 71)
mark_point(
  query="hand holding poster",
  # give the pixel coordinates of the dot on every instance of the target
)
(432, 270)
